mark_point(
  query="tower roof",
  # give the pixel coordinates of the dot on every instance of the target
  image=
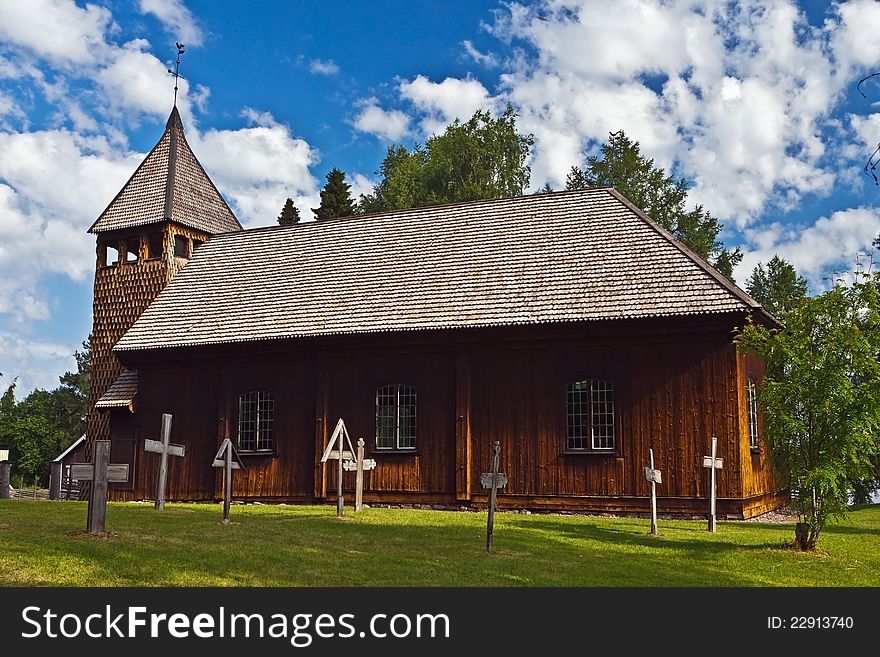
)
(170, 184)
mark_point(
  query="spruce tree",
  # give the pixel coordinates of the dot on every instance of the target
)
(289, 214)
(621, 165)
(335, 197)
(778, 288)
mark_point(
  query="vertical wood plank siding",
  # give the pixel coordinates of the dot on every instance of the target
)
(672, 393)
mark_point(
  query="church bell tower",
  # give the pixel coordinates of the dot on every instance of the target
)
(165, 211)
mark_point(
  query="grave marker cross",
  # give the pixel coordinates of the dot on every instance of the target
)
(100, 472)
(493, 481)
(713, 464)
(359, 466)
(653, 476)
(166, 449)
(228, 459)
(340, 454)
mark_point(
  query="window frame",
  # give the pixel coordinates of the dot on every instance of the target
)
(752, 422)
(181, 246)
(589, 417)
(262, 396)
(395, 416)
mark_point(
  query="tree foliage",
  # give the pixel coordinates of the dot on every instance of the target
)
(481, 158)
(778, 288)
(38, 427)
(821, 399)
(621, 165)
(289, 214)
(336, 198)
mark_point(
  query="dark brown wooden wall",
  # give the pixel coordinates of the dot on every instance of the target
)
(757, 470)
(673, 391)
(671, 397)
(353, 380)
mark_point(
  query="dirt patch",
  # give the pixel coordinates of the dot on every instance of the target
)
(82, 533)
(778, 516)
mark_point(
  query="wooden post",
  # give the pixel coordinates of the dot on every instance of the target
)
(712, 486)
(165, 448)
(99, 472)
(713, 463)
(55, 480)
(321, 429)
(5, 468)
(340, 501)
(653, 495)
(165, 437)
(97, 516)
(228, 459)
(227, 485)
(493, 481)
(339, 440)
(359, 464)
(463, 439)
(493, 492)
(359, 478)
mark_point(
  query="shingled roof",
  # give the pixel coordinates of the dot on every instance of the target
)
(558, 257)
(122, 393)
(169, 184)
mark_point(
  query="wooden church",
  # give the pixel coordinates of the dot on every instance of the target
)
(568, 326)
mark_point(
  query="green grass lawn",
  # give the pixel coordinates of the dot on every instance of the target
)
(42, 544)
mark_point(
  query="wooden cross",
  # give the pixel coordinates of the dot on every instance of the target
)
(653, 476)
(359, 466)
(100, 472)
(493, 481)
(228, 459)
(340, 454)
(5, 469)
(713, 464)
(166, 449)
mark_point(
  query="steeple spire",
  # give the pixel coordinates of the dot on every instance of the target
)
(169, 185)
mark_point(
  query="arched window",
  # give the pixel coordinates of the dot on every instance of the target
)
(752, 403)
(256, 421)
(590, 415)
(396, 417)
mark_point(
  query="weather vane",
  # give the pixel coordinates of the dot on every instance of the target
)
(176, 71)
(874, 160)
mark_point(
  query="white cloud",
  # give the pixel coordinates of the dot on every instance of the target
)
(360, 185)
(53, 184)
(485, 59)
(831, 243)
(64, 175)
(58, 30)
(322, 67)
(8, 106)
(176, 18)
(136, 81)
(390, 125)
(856, 39)
(258, 167)
(443, 102)
(34, 363)
(722, 92)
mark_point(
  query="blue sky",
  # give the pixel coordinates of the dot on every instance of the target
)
(755, 103)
